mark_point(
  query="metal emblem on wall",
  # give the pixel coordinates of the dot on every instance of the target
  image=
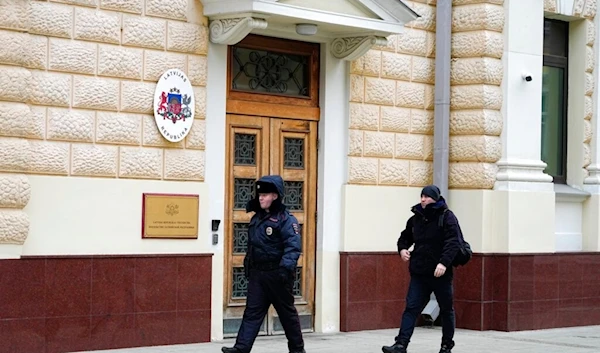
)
(174, 105)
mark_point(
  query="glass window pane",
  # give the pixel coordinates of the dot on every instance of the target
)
(240, 283)
(293, 153)
(294, 195)
(245, 149)
(555, 37)
(553, 147)
(243, 191)
(298, 283)
(269, 72)
(240, 238)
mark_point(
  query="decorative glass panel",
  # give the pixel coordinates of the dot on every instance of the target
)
(240, 283)
(293, 198)
(270, 72)
(245, 149)
(293, 153)
(298, 283)
(240, 238)
(243, 190)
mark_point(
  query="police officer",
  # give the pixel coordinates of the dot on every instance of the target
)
(270, 265)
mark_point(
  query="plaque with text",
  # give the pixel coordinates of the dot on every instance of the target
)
(170, 216)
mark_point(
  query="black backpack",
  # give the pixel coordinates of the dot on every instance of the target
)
(464, 249)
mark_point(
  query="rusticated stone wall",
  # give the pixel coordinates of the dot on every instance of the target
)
(584, 9)
(476, 95)
(391, 107)
(77, 80)
(392, 101)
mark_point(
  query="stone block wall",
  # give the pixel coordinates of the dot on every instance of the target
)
(476, 96)
(392, 101)
(77, 80)
(391, 107)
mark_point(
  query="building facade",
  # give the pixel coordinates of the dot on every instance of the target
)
(351, 116)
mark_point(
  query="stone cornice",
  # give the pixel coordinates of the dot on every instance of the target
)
(352, 48)
(230, 31)
(516, 170)
(594, 177)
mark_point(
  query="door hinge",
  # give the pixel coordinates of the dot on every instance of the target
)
(316, 217)
(318, 144)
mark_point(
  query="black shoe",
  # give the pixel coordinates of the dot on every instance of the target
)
(446, 349)
(395, 348)
(300, 351)
(230, 350)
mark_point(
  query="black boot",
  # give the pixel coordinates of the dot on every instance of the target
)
(395, 348)
(300, 351)
(230, 350)
(446, 348)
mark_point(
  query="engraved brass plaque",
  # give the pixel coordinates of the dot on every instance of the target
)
(170, 216)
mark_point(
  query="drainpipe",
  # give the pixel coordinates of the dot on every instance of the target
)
(441, 130)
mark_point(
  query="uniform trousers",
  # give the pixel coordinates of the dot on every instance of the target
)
(266, 288)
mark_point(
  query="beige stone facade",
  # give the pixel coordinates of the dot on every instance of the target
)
(392, 101)
(476, 96)
(77, 80)
(391, 108)
(79, 145)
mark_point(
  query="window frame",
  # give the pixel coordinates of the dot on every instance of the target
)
(561, 62)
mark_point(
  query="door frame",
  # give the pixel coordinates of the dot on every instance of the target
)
(274, 106)
(270, 134)
(334, 93)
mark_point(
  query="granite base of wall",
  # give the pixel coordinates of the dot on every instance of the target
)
(504, 292)
(68, 304)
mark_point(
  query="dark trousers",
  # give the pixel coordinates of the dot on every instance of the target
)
(419, 292)
(266, 288)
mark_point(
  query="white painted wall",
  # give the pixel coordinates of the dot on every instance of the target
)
(215, 171)
(491, 221)
(374, 216)
(565, 7)
(97, 216)
(332, 173)
(568, 225)
(336, 6)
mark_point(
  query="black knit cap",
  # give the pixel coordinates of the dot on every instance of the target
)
(431, 191)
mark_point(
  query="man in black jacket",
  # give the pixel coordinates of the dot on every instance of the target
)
(435, 246)
(274, 247)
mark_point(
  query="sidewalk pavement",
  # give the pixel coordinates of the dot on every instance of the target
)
(425, 340)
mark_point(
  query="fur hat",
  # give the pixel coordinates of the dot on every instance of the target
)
(266, 188)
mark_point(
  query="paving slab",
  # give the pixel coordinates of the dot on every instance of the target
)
(425, 340)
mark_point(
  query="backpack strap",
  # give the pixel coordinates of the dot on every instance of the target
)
(441, 219)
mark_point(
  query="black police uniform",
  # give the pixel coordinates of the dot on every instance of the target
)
(274, 247)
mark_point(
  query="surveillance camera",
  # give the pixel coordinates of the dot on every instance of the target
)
(527, 77)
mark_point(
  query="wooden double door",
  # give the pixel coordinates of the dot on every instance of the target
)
(258, 146)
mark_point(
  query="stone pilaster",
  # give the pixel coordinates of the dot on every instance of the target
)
(521, 166)
(476, 93)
